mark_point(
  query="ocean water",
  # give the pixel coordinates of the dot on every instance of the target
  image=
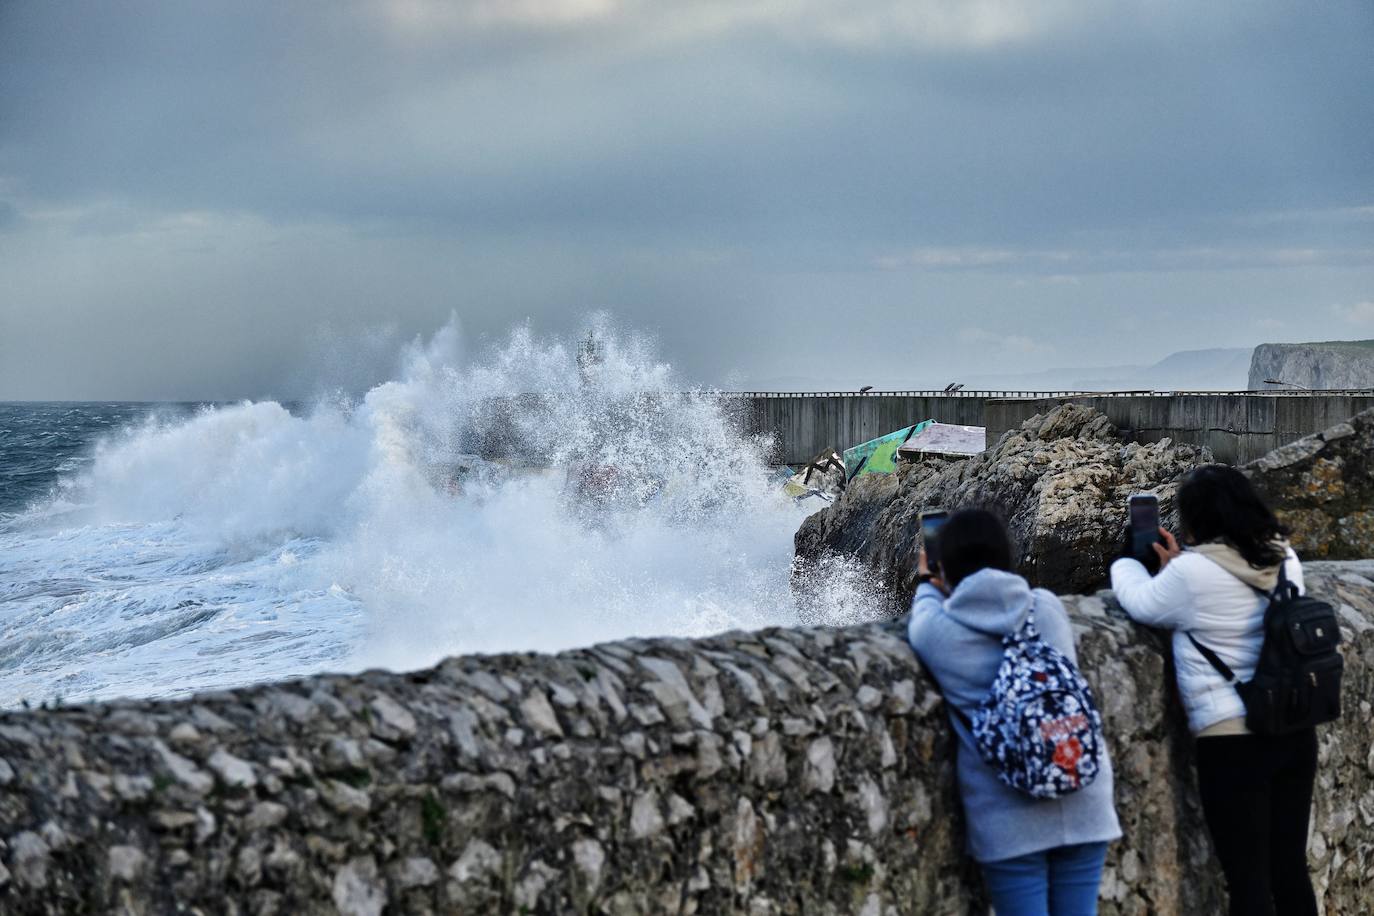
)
(157, 550)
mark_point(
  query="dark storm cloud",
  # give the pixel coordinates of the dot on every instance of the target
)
(707, 169)
(304, 109)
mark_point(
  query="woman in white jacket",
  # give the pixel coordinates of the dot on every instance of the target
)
(1256, 790)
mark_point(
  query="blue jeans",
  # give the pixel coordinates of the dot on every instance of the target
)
(1053, 882)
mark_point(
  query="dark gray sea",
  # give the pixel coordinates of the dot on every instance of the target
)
(41, 443)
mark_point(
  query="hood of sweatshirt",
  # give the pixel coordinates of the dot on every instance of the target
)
(1229, 559)
(991, 601)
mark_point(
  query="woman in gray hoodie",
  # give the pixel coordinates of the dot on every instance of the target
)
(1038, 856)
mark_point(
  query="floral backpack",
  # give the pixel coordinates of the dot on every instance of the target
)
(1039, 727)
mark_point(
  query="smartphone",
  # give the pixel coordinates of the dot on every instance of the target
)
(930, 527)
(1144, 510)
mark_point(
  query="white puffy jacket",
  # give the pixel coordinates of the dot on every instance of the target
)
(1194, 594)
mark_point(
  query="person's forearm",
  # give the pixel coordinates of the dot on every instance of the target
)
(1160, 601)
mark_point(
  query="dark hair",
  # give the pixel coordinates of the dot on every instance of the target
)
(970, 540)
(1218, 503)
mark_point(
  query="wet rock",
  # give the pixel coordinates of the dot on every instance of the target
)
(130, 788)
(645, 818)
(820, 766)
(265, 815)
(173, 820)
(233, 772)
(29, 859)
(471, 783)
(344, 798)
(537, 877)
(674, 694)
(183, 770)
(1322, 487)
(417, 871)
(538, 712)
(1061, 481)
(343, 754)
(590, 859)
(126, 862)
(679, 809)
(296, 707)
(391, 719)
(184, 733)
(53, 834)
(206, 824)
(478, 859)
(356, 890)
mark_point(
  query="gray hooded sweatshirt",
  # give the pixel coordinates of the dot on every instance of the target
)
(959, 641)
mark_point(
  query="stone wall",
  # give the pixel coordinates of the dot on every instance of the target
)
(783, 771)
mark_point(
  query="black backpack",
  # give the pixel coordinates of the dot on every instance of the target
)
(1297, 682)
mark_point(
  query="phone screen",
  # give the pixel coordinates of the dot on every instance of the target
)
(1144, 525)
(930, 527)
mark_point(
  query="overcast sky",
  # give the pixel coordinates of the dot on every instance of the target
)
(239, 199)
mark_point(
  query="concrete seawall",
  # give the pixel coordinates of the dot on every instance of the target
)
(804, 424)
(1237, 426)
(784, 771)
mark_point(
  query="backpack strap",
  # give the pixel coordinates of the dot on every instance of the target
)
(1222, 668)
(1284, 590)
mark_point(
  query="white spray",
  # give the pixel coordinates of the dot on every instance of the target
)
(266, 544)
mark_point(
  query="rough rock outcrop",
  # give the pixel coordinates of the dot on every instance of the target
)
(1062, 481)
(778, 772)
(1334, 364)
(1322, 487)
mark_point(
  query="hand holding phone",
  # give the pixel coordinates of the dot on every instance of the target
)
(1166, 548)
(930, 527)
(1145, 531)
(1144, 512)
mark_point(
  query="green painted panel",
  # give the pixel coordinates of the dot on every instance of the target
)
(881, 453)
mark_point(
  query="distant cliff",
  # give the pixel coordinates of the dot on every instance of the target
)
(1333, 364)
